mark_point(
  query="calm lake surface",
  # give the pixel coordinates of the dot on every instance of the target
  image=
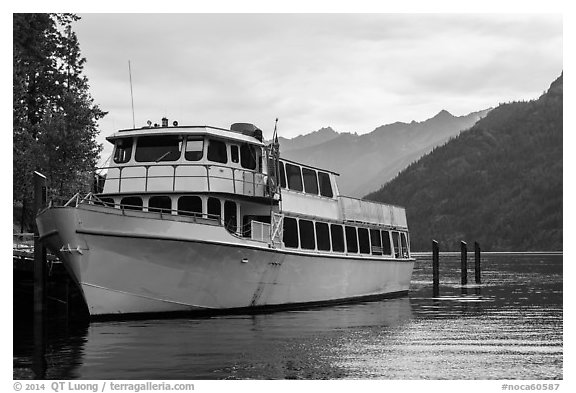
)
(510, 327)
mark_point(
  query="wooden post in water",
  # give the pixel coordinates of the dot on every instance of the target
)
(477, 263)
(39, 364)
(435, 268)
(464, 262)
(39, 249)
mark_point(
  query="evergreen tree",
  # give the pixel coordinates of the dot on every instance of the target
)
(499, 183)
(54, 116)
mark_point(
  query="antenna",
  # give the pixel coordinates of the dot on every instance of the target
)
(131, 94)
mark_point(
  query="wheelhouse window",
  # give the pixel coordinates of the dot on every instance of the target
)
(214, 208)
(376, 242)
(160, 204)
(131, 203)
(351, 240)
(123, 151)
(247, 156)
(337, 238)
(290, 234)
(325, 186)
(364, 240)
(217, 151)
(404, 245)
(386, 249)
(396, 242)
(230, 216)
(194, 149)
(310, 181)
(322, 236)
(282, 176)
(158, 148)
(307, 240)
(294, 177)
(234, 154)
(190, 205)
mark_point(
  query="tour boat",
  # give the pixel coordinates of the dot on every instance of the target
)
(196, 218)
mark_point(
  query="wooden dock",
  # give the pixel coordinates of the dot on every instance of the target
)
(63, 298)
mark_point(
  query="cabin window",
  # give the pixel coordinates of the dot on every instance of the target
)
(158, 148)
(351, 239)
(190, 206)
(217, 151)
(404, 245)
(247, 156)
(214, 208)
(194, 149)
(294, 177)
(310, 181)
(234, 154)
(230, 216)
(123, 151)
(396, 242)
(337, 238)
(307, 240)
(290, 236)
(131, 203)
(386, 249)
(282, 176)
(376, 242)
(322, 236)
(325, 186)
(364, 241)
(160, 204)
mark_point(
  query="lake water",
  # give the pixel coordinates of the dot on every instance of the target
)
(510, 327)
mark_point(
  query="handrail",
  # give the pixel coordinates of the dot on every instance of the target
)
(169, 163)
(256, 180)
(74, 198)
(90, 198)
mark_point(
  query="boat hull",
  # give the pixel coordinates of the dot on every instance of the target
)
(150, 264)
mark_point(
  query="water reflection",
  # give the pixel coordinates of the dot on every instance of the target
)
(508, 327)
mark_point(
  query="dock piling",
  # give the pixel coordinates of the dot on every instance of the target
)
(477, 263)
(39, 249)
(464, 262)
(39, 364)
(435, 268)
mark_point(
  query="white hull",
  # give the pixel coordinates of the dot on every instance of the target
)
(147, 264)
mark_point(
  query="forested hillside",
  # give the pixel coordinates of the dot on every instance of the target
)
(499, 183)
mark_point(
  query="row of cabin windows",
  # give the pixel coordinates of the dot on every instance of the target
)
(321, 236)
(157, 148)
(310, 181)
(188, 205)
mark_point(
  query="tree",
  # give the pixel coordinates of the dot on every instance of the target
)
(54, 116)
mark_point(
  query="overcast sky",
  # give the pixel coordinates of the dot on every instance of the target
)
(353, 72)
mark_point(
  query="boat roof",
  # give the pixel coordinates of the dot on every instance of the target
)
(306, 165)
(185, 130)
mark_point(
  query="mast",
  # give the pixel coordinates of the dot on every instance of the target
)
(131, 95)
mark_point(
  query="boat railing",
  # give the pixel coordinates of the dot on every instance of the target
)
(185, 178)
(360, 210)
(92, 199)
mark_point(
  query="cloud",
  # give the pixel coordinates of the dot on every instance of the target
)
(353, 72)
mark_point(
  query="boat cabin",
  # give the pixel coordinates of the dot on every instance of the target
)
(232, 178)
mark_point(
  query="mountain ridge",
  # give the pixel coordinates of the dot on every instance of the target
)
(499, 183)
(367, 161)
